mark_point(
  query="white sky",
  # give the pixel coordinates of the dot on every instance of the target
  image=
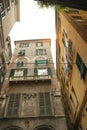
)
(35, 23)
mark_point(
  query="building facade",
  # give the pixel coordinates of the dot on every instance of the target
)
(31, 95)
(9, 14)
(71, 44)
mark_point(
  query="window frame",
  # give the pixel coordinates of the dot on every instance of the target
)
(39, 44)
(23, 45)
(45, 104)
(21, 53)
(13, 75)
(44, 62)
(38, 52)
(49, 72)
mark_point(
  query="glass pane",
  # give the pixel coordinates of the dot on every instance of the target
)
(42, 72)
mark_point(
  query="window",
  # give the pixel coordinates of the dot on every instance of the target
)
(78, 18)
(40, 51)
(45, 104)
(41, 62)
(20, 64)
(24, 45)
(81, 66)
(42, 71)
(1, 5)
(21, 53)
(39, 44)
(18, 72)
(13, 105)
(72, 11)
(7, 3)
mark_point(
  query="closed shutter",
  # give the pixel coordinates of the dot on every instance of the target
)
(13, 105)
(45, 104)
(12, 73)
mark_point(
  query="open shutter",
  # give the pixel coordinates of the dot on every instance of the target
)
(36, 63)
(18, 64)
(49, 71)
(35, 72)
(36, 51)
(44, 52)
(45, 104)
(46, 61)
(25, 72)
(12, 73)
(22, 63)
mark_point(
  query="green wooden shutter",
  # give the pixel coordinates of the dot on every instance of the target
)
(49, 71)
(13, 105)
(25, 72)
(45, 104)
(46, 61)
(19, 53)
(81, 66)
(36, 63)
(35, 72)
(12, 73)
(22, 63)
(36, 51)
(44, 52)
(18, 64)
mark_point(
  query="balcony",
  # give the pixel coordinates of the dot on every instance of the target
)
(24, 74)
(30, 78)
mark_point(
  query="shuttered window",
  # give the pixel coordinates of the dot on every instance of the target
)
(20, 64)
(18, 72)
(42, 71)
(25, 72)
(35, 72)
(24, 45)
(39, 44)
(49, 71)
(41, 62)
(12, 73)
(45, 104)
(40, 51)
(13, 105)
(21, 53)
(81, 66)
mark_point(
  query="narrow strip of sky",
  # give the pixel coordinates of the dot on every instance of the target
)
(35, 23)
